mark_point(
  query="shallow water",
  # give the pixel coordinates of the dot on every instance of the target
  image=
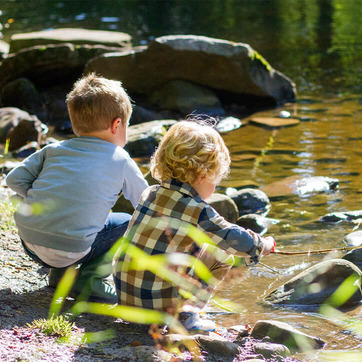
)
(318, 45)
(330, 145)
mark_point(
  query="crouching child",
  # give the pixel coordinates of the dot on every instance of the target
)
(190, 161)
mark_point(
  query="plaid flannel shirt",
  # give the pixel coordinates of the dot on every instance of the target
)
(147, 231)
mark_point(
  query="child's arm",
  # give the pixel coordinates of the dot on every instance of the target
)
(233, 238)
(134, 182)
(21, 178)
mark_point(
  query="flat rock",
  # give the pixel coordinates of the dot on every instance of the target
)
(49, 64)
(347, 216)
(296, 185)
(280, 332)
(69, 35)
(274, 122)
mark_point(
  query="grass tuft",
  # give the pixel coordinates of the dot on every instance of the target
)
(54, 326)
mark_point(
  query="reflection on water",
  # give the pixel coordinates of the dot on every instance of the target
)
(324, 147)
(318, 45)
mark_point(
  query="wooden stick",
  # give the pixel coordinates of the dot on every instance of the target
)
(345, 248)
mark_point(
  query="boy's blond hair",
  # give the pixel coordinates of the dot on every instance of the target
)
(188, 150)
(95, 102)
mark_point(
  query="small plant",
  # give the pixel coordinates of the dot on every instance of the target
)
(7, 209)
(54, 326)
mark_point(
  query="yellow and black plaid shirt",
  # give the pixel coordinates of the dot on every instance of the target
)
(147, 231)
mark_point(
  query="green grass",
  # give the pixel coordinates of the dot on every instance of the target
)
(56, 326)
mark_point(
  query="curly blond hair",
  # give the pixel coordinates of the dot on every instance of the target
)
(95, 102)
(189, 149)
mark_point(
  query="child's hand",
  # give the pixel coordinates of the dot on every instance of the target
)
(269, 245)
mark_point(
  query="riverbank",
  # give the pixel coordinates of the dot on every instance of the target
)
(26, 297)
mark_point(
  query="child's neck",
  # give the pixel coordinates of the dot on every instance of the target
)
(105, 135)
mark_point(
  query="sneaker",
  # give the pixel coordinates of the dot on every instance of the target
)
(94, 289)
(192, 322)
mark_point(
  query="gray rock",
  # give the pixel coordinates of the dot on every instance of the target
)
(49, 65)
(316, 284)
(224, 205)
(348, 216)
(280, 332)
(255, 222)
(354, 238)
(251, 201)
(144, 137)
(20, 127)
(275, 351)
(214, 63)
(185, 98)
(69, 35)
(229, 124)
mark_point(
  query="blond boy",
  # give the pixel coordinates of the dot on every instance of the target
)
(189, 162)
(76, 183)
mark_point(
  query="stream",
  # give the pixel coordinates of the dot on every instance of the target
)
(317, 43)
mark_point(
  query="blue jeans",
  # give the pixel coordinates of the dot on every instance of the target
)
(114, 228)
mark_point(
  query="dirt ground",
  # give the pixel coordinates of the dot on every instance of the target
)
(25, 296)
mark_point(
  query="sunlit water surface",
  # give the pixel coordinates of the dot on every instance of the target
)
(318, 45)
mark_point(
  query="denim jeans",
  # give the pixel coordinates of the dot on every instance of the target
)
(114, 228)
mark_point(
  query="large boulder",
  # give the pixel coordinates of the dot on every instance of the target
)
(185, 98)
(69, 35)
(50, 64)
(316, 284)
(214, 63)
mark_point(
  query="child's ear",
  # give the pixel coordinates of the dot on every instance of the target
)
(117, 122)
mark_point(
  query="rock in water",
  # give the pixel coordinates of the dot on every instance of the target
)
(257, 223)
(251, 201)
(215, 63)
(224, 205)
(348, 216)
(280, 332)
(316, 284)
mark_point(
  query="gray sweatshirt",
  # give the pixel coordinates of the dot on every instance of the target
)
(69, 189)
